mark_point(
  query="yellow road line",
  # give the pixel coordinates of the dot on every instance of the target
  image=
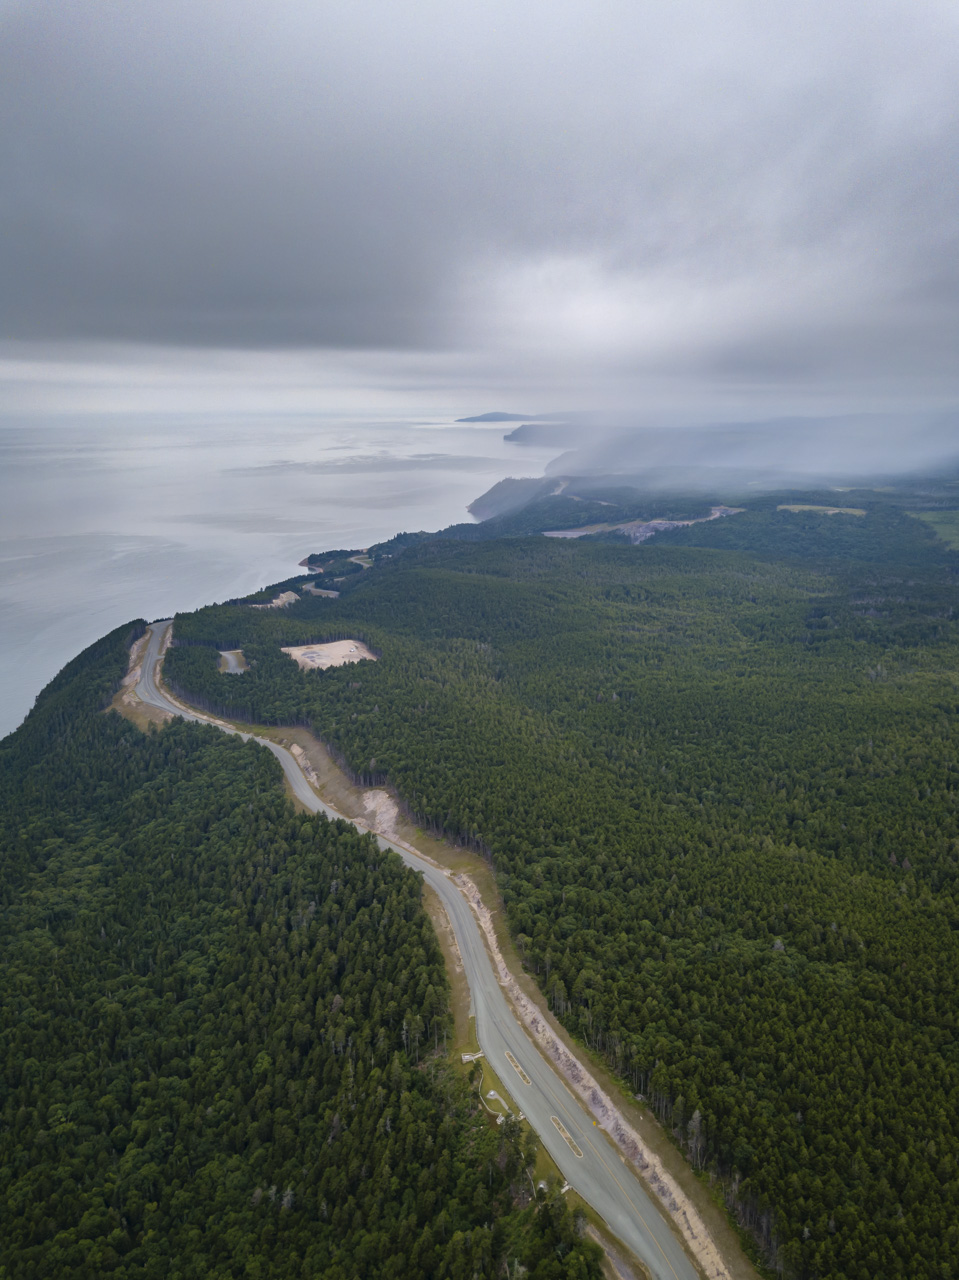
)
(629, 1198)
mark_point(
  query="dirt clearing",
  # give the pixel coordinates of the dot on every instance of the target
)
(279, 602)
(797, 508)
(317, 657)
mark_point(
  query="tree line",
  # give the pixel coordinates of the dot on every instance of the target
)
(223, 1026)
(717, 778)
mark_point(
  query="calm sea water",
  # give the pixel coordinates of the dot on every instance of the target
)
(102, 521)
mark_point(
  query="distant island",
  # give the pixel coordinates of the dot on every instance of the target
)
(496, 417)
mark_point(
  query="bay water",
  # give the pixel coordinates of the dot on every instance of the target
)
(107, 519)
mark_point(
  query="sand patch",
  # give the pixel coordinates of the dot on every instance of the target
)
(797, 507)
(317, 657)
(137, 651)
(382, 813)
(639, 530)
(279, 602)
(581, 532)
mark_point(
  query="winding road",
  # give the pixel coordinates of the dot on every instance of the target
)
(588, 1161)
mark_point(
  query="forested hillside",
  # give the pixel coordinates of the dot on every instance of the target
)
(718, 782)
(220, 1028)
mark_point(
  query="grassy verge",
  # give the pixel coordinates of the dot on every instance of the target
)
(464, 1032)
(503, 1104)
(617, 1263)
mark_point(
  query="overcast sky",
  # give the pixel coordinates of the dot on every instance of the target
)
(551, 201)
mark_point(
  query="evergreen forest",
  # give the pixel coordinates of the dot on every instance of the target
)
(223, 1027)
(717, 777)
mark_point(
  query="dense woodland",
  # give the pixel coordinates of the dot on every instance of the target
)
(717, 776)
(223, 1024)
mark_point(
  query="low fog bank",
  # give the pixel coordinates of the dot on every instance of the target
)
(794, 451)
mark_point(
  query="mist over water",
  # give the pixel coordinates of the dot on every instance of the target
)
(105, 520)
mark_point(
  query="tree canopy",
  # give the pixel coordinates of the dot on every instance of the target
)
(218, 1054)
(717, 777)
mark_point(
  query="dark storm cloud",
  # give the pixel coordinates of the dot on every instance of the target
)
(737, 190)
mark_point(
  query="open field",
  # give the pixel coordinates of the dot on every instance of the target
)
(945, 524)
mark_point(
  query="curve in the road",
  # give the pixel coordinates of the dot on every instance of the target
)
(591, 1168)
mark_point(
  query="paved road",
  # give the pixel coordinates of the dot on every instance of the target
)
(599, 1175)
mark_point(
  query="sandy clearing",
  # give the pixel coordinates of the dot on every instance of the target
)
(618, 1266)
(137, 650)
(279, 602)
(317, 657)
(382, 813)
(798, 507)
(581, 532)
(639, 530)
(301, 759)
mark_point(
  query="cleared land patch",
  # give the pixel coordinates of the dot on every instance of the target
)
(823, 511)
(317, 657)
(944, 523)
(639, 530)
(232, 661)
(278, 602)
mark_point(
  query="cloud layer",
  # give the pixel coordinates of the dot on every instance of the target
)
(742, 193)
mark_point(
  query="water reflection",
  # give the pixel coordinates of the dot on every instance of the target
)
(106, 520)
